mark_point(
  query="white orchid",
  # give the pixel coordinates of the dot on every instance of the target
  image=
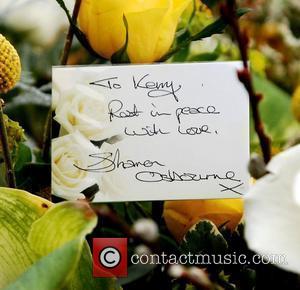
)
(272, 210)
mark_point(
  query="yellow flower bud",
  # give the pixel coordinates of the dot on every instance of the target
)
(296, 103)
(180, 216)
(10, 65)
(151, 26)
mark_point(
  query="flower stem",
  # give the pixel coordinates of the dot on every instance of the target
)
(47, 136)
(70, 35)
(5, 148)
(228, 11)
(63, 61)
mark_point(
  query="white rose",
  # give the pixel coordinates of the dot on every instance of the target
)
(69, 153)
(43, 19)
(272, 210)
(83, 109)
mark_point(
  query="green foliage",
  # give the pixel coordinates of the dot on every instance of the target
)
(204, 239)
(275, 110)
(44, 244)
(210, 3)
(185, 38)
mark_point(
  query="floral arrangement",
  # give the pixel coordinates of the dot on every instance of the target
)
(46, 230)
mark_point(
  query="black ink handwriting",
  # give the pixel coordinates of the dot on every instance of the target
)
(171, 176)
(115, 110)
(231, 188)
(108, 161)
(146, 131)
(107, 83)
(194, 130)
(192, 111)
(156, 113)
(156, 89)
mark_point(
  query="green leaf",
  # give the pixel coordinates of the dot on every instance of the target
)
(208, 56)
(51, 271)
(216, 27)
(62, 223)
(210, 3)
(121, 55)
(181, 55)
(34, 176)
(29, 95)
(44, 244)
(83, 277)
(24, 156)
(204, 239)
(275, 110)
(18, 211)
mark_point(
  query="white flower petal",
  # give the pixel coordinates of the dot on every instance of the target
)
(296, 188)
(83, 109)
(272, 216)
(69, 153)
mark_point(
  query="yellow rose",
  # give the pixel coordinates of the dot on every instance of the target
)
(151, 26)
(296, 103)
(180, 216)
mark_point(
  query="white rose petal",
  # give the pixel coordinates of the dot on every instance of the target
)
(69, 153)
(271, 213)
(83, 109)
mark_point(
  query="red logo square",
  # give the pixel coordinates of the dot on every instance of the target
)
(110, 257)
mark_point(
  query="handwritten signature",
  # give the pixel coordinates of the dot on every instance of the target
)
(173, 176)
(109, 161)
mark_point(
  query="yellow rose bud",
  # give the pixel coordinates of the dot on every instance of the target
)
(180, 216)
(10, 66)
(151, 26)
(296, 103)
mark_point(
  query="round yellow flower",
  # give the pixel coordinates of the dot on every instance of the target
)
(180, 216)
(10, 66)
(296, 103)
(151, 26)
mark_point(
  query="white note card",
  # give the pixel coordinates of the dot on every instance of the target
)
(151, 132)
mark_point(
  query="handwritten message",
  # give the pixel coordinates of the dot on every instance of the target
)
(172, 131)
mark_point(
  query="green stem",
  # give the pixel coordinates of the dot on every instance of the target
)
(5, 148)
(47, 136)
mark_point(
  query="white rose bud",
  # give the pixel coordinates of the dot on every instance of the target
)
(69, 153)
